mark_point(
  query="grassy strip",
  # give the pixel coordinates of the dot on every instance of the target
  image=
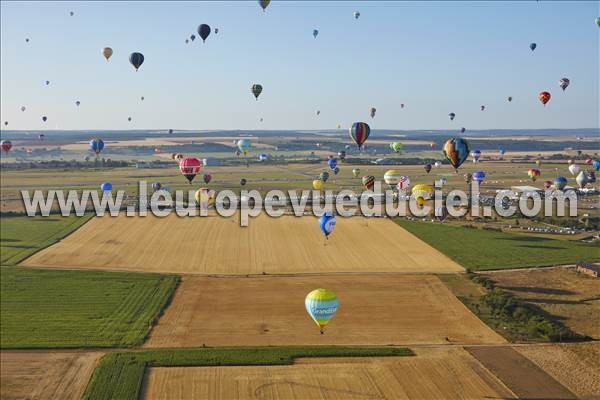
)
(512, 318)
(22, 236)
(67, 309)
(480, 249)
(120, 375)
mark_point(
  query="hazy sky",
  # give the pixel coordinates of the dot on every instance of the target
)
(436, 57)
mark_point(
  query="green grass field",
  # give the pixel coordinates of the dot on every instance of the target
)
(62, 309)
(20, 237)
(120, 375)
(479, 249)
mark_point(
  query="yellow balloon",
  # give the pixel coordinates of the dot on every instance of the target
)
(422, 192)
(317, 184)
(107, 52)
(205, 197)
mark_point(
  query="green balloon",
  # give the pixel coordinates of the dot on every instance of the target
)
(396, 147)
(598, 21)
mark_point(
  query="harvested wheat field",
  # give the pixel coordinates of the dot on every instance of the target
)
(45, 375)
(269, 311)
(216, 245)
(576, 366)
(524, 378)
(449, 373)
(572, 298)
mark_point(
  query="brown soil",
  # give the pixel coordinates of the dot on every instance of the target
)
(45, 374)
(269, 311)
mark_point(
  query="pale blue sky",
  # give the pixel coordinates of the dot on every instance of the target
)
(436, 57)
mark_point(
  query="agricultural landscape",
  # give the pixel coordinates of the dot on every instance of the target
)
(311, 304)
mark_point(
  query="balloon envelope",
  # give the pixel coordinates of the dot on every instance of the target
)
(189, 167)
(106, 187)
(96, 145)
(478, 176)
(317, 184)
(321, 305)
(560, 182)
(392, 177)
(456, 151)
(256, 90)
(327, 223)
(244, 145)
(574, 169)
(355, 172)
(203, 31)
(396, 146)
(359, 132)
(107, 52)
(582, 179)
(368, 182)
(136, 59)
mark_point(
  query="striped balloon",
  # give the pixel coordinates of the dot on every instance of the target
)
(403, 183)
(392, 177)
(321, 305)
(368, 181)
(96, 145)
(359, 132)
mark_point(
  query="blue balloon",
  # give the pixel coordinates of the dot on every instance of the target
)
(560, 182)
(332, 162)
(203, 31)
(136, 59)
(532, 46)
(97, 145)
(327, 223)
(106, 187)
(479, 176)
(596, 165)
(336, 170)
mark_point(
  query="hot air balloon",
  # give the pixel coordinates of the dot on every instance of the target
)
(598, 21)
(332, 162)
(157, 150)
(26, 40)
(403, 183)
(216, 30)
(156, 186)
(396, 147)
(560, 182)
(533, 174)
(315, 33)
(482, 108)
(96, 145)
(468, 177)
(478, 176)
(317, 184)
(432, 145)
(41, 136)
(189, 167)
(338, 126)
(502, 152)
(170, 131)
(324, 176)
(368, 182)
(106, 187)
(574, 169)
(204, 197)
(372, 112)
(6, 145)
(570, 161)
(509, 99)
(263, 157)
(77, 103)
(136, 59)
(452, 116)
(207, 178)
(5, 123)
(532, 46)
(342, 155)
(321, 305)
(401, 105)
(179, 156)
(421, 193)
(475, 155)
(547, 184)
(23, 108)
(327, 223)
(187, 41)
(355, 172)
(596, 164)
(456, 151)
(582, 179)
(192, 37)
(392, 177)
(203, 31)
(359, 132)
(243, 181)
(318, 112)
(437, 164)
(264, 4)
(44, 118)
(107, 52)
(538, 163)
(563, 83)
(256, 90)
(71, 13)
(356, 14)
(47, 83)
(544, 97)
(462, 130)
(129, 119)
(244, 145)
(427, 168)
